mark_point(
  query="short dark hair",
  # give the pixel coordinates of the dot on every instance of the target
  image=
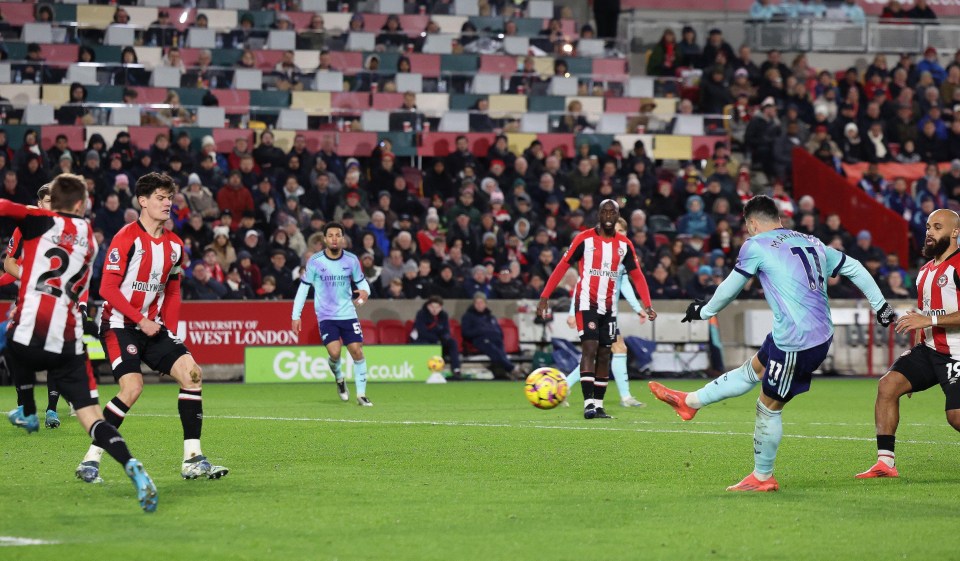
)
(44, 191)
(761, 207)
(152, 182)
(331, 226)
(435, 300)
(66, 190)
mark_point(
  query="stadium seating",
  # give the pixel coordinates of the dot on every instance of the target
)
(391, 332)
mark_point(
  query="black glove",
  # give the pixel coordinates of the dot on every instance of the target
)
(886, 315)
(693, 311)
(89, 326)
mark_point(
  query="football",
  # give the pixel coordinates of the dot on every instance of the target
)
(546, 388)
(435, 364)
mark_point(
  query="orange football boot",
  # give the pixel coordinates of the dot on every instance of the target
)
(673, 398)
(879, 469)
(751, 483)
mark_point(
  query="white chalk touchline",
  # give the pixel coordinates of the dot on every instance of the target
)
(541, 426)
(11, 541)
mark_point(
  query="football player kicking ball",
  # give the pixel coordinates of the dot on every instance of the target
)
(793, 269)
(333, 273)
(618, 365)
(936, 358)
(600, 252)
(46, 332)
(141, 289)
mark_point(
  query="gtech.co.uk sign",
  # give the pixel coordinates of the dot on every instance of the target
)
(385, 363)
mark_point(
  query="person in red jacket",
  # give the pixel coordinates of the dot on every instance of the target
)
(235, 197)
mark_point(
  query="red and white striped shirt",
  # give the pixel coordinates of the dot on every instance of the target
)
(141, 278)
(938, 293)
(57, 251)
(599, 259)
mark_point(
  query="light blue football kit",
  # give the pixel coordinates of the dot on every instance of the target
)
(333, 282)
(793, 269)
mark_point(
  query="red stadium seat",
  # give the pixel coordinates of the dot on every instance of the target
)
(60, 53)
(609, 68)
(457, 333)
(370, 336)
(426, 64)
(387, 101)
(154, 95)
(359, 101)
(511, 336)
(391, 332)
(350, 62)
(144, 137)
(622, 105)
(74, 134)
(267, 60)
(234, 102)
(225, 138)
(18, 13)
(562, 141)
(441, 144)
(498, 64)
(358, 144)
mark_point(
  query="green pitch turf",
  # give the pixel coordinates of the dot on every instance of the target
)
(471, 471)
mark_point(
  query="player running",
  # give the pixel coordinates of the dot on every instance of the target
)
(600, 252)
(141, 289)
(618, 365)
(334, 273)
(936, 358)
(46, 332)
(792, 269)
(11, 267)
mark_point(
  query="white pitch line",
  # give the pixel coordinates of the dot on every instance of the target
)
(13, 541)
(541, 427)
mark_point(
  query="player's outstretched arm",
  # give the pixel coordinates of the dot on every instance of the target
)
(726, 293)
(840, 263)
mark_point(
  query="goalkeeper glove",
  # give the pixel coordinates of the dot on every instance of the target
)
(886, 315)
(693, 311)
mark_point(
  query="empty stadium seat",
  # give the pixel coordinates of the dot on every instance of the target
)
(375, 121)
(39, 114)
(511, 336)
(292, 119)
(201, 38)
(391, 332)
(129, 116)
(370, 336)
(456, 331)
(247, 79)
(211, 116)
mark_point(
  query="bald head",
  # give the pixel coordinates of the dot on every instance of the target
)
(943, 227)
(947, 217)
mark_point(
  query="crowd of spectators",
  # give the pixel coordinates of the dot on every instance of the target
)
(496, 223)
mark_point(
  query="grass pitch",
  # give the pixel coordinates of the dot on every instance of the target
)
(471, 471)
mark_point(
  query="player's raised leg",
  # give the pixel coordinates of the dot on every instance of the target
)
(732, 384)
(107, 436)
(187, 372)
(131, 387)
